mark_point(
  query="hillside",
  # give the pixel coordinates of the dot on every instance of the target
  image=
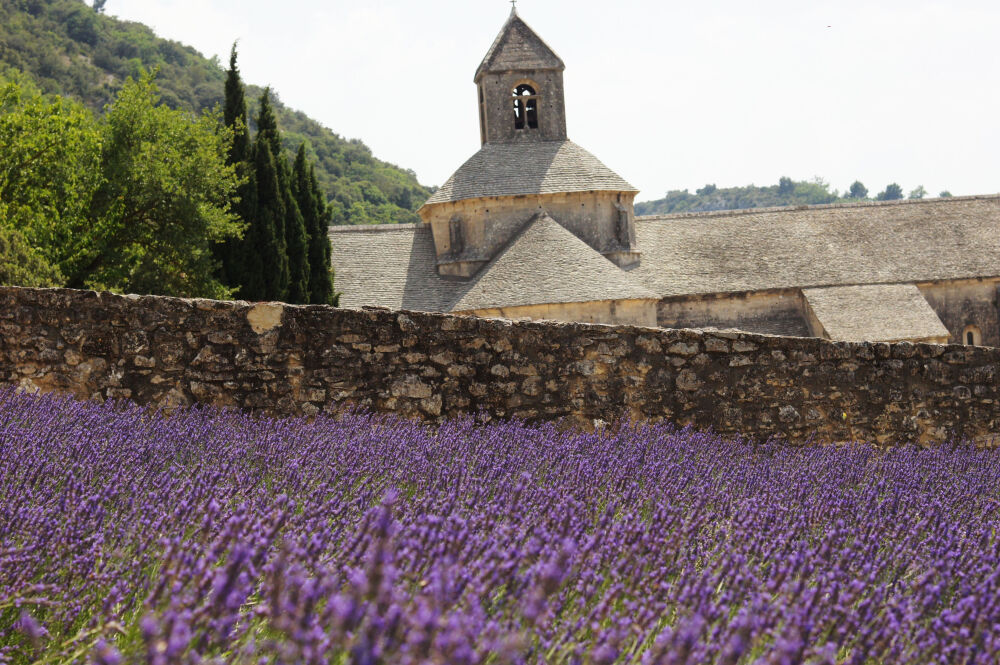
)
(70, 49)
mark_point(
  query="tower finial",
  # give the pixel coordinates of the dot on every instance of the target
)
(513, 6)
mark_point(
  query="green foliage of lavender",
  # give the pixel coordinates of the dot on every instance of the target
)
(209, 536)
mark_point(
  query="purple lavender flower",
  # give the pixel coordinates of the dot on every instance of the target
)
(212, 536)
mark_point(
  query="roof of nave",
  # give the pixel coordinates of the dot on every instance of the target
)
(513, 169)
(826, 245)
(875, 313)
(518, 47)
(390, 265)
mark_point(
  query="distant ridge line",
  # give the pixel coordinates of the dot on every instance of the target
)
(819, 206)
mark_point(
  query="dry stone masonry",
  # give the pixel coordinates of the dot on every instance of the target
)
(303, 360)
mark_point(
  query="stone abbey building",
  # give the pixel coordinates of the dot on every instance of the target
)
(535, 226)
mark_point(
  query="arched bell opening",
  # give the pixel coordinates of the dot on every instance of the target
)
(525, 107)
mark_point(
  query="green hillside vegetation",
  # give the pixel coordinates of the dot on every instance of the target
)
(70, 49)
(787, 192)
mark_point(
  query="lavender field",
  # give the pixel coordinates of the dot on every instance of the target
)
(128, 537)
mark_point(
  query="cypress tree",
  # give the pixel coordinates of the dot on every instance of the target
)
(296, 241)
(235, 113)
(325, 292)
(315, 213)
(237, 262)
(270, 209)
(293, 230)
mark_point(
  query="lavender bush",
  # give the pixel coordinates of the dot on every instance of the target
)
(209, 536)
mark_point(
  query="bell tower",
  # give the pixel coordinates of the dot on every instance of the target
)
(520, 87)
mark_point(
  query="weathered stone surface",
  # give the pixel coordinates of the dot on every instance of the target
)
(265, 317)
(291, 360)
(688, 381)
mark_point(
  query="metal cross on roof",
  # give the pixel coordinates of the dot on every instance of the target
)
(513, 5)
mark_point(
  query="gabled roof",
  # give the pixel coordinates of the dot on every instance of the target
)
(395, 266)
(513, 169)
(518, 47)
(825, 245)
(545, 263)
(875, 313)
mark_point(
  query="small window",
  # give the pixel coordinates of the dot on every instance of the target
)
(972, 336)
(456, 236)
(622, 230)
(525, 107)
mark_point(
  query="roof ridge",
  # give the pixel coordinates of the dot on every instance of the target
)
(818, 206)
(373, 228)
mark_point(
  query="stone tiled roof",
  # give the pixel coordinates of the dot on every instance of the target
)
(875, 313)
(812, 247)
(512, 169)
(868, 243)
(394, 266)
(518, 47)
(389, 266)
(545, 263)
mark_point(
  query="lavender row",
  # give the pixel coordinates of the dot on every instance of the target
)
(211, 536)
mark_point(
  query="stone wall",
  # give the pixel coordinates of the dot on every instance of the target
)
(778, 312)
(281, 359)
(627, 312)
(963, 303)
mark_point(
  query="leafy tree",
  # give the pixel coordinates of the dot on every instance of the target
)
(785, 186)
(707, 190)
(858, 190)
(918, 193)
(945, 194)
(162, 202)
(892, 192)
(99, 6)
(49, 169)
(316, 216)
(23, 265)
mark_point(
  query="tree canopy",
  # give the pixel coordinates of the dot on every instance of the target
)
(892, 192)
(23, 265)
(130, 202)
(163, 200)
(787, 192)
(51, 153)
(711, 197)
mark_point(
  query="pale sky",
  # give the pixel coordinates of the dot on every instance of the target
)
(669, 94)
